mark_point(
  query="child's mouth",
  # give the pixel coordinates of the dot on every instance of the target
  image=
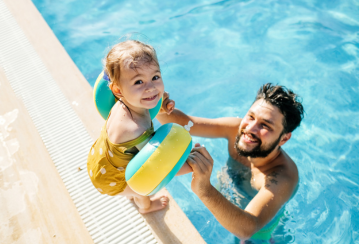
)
(150, 98)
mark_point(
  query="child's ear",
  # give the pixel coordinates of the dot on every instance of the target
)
(115, 90)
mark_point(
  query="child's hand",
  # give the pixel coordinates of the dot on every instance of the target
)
(168, 105)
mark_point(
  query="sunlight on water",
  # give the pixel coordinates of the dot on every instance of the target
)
(214, 55)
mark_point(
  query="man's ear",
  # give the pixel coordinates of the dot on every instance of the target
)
(285, 138)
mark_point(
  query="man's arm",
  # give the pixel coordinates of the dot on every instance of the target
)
(203, 127)
(242, 223)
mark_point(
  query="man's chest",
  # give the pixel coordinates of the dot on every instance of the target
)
(257, 179)
(250, 177)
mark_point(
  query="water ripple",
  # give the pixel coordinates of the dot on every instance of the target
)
(211, 7)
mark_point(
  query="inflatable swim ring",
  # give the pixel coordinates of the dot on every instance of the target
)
(104, 98)
(159, 160)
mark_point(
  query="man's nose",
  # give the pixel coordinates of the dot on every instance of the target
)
(252, 127)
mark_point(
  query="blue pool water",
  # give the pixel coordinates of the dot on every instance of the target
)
(214, 56)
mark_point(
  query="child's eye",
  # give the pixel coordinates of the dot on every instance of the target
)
(156, 77)
(138, 82)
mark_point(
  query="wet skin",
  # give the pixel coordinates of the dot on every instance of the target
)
(273, 176)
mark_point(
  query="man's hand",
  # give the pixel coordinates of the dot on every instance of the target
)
(168, 105)
(201, 163)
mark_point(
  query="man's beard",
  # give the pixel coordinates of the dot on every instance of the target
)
(258, 151)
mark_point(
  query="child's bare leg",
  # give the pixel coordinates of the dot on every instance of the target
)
(146, 204)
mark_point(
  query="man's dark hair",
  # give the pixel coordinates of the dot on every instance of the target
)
(287, 102)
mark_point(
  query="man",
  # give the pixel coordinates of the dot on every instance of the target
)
(254, 142)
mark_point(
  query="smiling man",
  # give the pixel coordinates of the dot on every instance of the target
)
(258, 165)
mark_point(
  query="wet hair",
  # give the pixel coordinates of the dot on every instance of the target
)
(130, 53)
(287, 102)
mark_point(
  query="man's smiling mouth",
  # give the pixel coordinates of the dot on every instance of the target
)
(249, 138)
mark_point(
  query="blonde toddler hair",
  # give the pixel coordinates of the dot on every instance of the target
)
(130, 53)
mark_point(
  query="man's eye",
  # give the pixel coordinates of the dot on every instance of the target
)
(266, 126)
(138, 82)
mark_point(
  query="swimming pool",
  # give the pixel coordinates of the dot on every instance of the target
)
(214, 56)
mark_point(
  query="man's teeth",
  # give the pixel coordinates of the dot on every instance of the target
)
(249, 138)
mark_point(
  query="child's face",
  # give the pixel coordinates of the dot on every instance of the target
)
(141, 87)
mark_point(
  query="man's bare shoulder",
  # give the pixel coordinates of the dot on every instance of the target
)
(284, 177)
(229, 126)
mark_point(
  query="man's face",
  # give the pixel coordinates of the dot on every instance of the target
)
(260, 131)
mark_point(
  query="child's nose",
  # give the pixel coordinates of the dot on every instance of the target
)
(150, 87)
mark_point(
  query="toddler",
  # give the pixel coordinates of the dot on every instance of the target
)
(135, 79)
